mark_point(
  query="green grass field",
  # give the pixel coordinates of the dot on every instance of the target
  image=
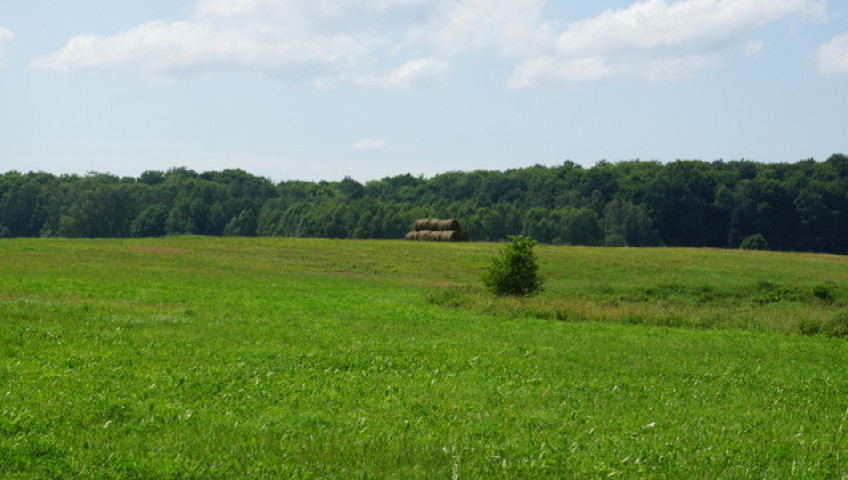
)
(184, 358)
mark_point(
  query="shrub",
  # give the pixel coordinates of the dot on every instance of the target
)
(516, 271)
(615, 240)
(809, 327)
(754, 242)
(825, 291)
(838, 325)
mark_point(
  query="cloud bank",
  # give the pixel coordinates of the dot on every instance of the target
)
(656, 40)
(403, 44)
(832, 57)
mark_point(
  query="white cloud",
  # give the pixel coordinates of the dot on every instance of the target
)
(184, 47)
(400, 44)
(370, 144)
(686, 25)
(291, 9)
(421, 72)
(289, 38)
(340, 41)
(675, 68)
(331, 41)
(832, 57)
(754, 47)
(658, 40)
(512, 27)
(552, 71)
(6, 37)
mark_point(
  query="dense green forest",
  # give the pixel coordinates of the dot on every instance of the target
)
(800, 206)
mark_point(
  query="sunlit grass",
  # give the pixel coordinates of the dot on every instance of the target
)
(694, 288)
(271, 358)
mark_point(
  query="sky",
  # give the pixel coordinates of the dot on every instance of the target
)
(325, 89)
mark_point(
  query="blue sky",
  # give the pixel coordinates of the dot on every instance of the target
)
(323, 89)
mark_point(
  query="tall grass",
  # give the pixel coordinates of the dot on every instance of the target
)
(760, 291)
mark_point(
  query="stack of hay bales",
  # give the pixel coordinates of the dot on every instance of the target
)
(436, 230)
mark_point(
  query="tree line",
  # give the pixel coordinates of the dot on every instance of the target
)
(800, 206)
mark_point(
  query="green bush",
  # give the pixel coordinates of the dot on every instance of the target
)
(825, 291)
(516, 271)
(754, 242)
(836, 326)
(809, 327)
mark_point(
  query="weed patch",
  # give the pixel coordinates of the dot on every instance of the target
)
(825, 292)
(835, 326)
(735, 298)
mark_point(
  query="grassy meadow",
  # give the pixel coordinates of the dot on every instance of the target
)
(204, 358)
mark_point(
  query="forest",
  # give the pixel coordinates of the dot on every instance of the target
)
(801, 206)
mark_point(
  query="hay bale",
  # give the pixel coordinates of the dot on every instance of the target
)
(416, 235)
(449, 236)
(437, 230)
(436, 225)
(445, 225)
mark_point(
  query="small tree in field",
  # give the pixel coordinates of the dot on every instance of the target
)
(515, 272)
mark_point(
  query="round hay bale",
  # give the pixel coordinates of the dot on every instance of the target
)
(447, 236)
(444, 225)
(433, 236)
(436, 225)
(409, 236)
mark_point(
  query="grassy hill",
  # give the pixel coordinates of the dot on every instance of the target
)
(281, 358)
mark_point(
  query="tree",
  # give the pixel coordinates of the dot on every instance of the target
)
(578, 227)
(242, 225)
(179, 221)
(536, 223)
(102, 209)
(150, 222)
(516, 271)
(754, 242)
(800, 206)
(626, 224)
(818, 226)
(681, 201)
(353, 189)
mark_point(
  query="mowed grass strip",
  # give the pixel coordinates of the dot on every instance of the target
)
(282, 358)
